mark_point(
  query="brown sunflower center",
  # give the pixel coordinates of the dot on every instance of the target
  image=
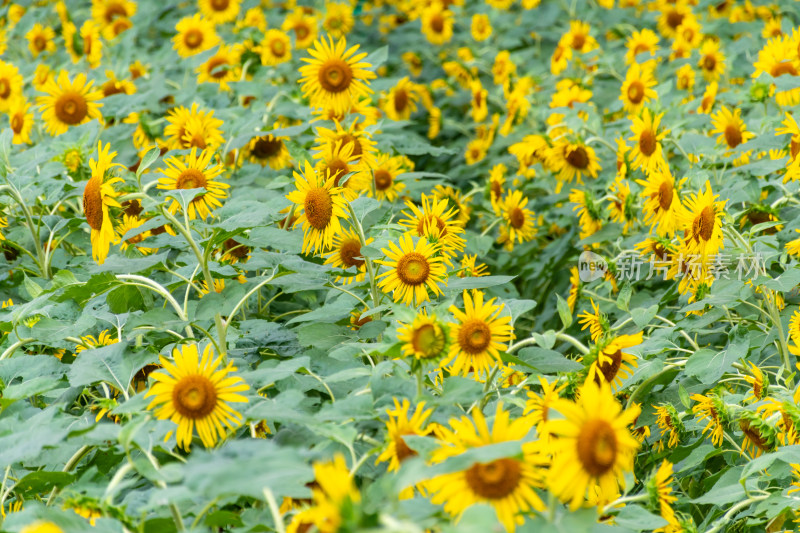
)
(428, 340)
(428, 221)
(597, 447)
(665, 194)
(516, 217)
(301, 30)
(674, 19)
(611, 366)
(578, 40)
(266, 147)
(5, 88)
(647, 142)
(193, 38)
(754, 435)
(578, 158)
(400, 100)
(794, 148)
(703, 225)
(350, 253)
(114, 10)
(40, 43)
(17, 121)
(641, 47)
(383, 179)
(191, 178)
(194, 397)
(318, 207)
(120, 25)
(236, 249)
(335, 75)
(495, 480)
(636, 92)
(474, 336)
(217, 67)
(733, 136)
(709, 63)
(93, 204)
(278, 47)
(338, 168)
(437, 23)
(402, 450)
(413, 269)
(87, 45)
(220, 5)
(110, 88)
(71, 108)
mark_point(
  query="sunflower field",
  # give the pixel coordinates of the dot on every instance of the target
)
(410, 266)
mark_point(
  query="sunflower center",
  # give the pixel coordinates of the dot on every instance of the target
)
(794, 148)
(301, 31)
(114, 10)
(17, 121)
(402, 450)
(647, 142)
(609, 368)
(93, 204)
(236, 249)
(665, 193)
(578, 41)
(597, 447)
(782, 68)
(474, 336)
(335, 75)
(578, 158)
(220, 5)
(427, 221)
(754, 435)
(266, 147)
(194, 397)
(348, 139)
(71, 108)
(5, 88)
(193, 38)
(709, 63)
(350, 252)
(338, 169)
(703, 225)
(191, 178)
(413, 268)
(636, 92)
(437, 23)
(318, 207)
(40, 43)
(428, 340)
(278, 47)
(87, 45)
(494, 480)
(383, 179)
(641, 47)
(516, 217)
(674, 19)
(218, 67)
(733, 136)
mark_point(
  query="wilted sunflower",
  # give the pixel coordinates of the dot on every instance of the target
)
(193, 172)
(702, 223)
(662, 206)
(478, 336)
(613, 363)
(518, 221)
(593, 447)
(20, 120)
(98, 196)
(323, 206)
(269, 150)
(303, 25)
(89, 341)
(637, 89)
(196, 392)
(275, 48)
(335, 76)
(731, 129)
(647, 153)
(222, 67)
(346, 254)
(426, 338)
(219, 11)
(437, 23)
(384, 178)
(41, 39)
(68, 103)
(414, 268)
(195, 34)
(507, 484)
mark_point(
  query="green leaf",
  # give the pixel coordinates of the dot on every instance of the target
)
(624, 297)
(708, 365)
(147, 161)
(563, 311)
(31, 287)
(42, 481)
(638, 519)
(124, 299)
(642, 317)
(114, 364)
(548, 361)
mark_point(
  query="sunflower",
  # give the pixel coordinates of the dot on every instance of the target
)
(708, 99)
(269, 150)
(702, 223)
(560, 59)
(346, 254)
(470, 268)
(129, 224)
(187, 128)
(779, 57)
(517, 225)
(218, 284)
(338, 20)
(41, 526)
(481, 27)
(662, 206)
(335, 76)
(401, 100)
(194, 172)
(597, 322)
(92, 45)
(572, 161)
(107, 13)
(437, 224)
(479, 102)
(711, 408)
(669, 421)
(647, 153)
(89, 342)
(195, 391)
(334, 496)
(364, 148)
(384, 177)
(759, 435)
(222, 67)
(10, 85)
(569, 93)
(507, 484)
(659, 488)
(413, 270)
(593, 447)
(98, 196)
(574, 288)
(640, 42)
(41, 76)
(478, 336)
(338, 161)
(684, 78)
(437, 23)
(68, 103)
(578, 38)
(20, 120)
(730, 127)
(637, 89)
(590, 217)
(114, 85)
(760, 386)
(712, 61)
(275, 48)
(458, 202)
(219, 11)
(503, 67)
(304, 27)
(400, 425)
(672, 15)
(613, 363)
(426, 339)
(538, 406)
(41, 39)
(195, 34)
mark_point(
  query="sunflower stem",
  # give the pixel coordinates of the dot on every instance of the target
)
(373, 287)
(72, 463)
(40, 261)
(275, 510)
(573, 341)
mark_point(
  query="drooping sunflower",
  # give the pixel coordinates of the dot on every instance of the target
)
(593, 447)
(708, 99)
(437, 224)
(400, 425)
(613, 362)
(20, 120)
(647, 153)
(518, 221)
(338, 20)
(637, 89)
(41, 39)
(426, 339)
(335, 76)
(730, 127)
(413, 269)
(234, 251)
(662, 205)
(640, 42)
(437, 23)
(759, 435)
(384, 178)
(193, 172)
(507, 484)
(323, 208)
(219, 11)
(275, 48)
(303, 25)
(572, 161)
(712, 61)
(196, 391)
(659, 488)
(195, 34)
(590, 217)
(711, 408)
(479, 335)
(98, 196)
(269, 150)
(222, 67)
(68, 103)
(90, 341)
(346, 254)
(669, 421)
(702, 223)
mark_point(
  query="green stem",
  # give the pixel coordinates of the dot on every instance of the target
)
(373, 287)
(72, 463)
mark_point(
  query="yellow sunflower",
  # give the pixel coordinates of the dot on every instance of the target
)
(708, 99)
(401, 100)
(338, 20)
(572, 161)
(194, 172)
(640, 42)
(384, 178)
(41, 526)
(647, 153)
(130, 223)
(730, 127)
(269, 150)
(426, 339)
(194, 392)
(593, 447)
(89, 341)
(323, 207)
(92, 44)
(712, 61)
(304, 27)
(578, 38)
(437, 23)
(437, 224)
(338, 161)
(669, 421)
(335, 76)
(114, 85)
(684, 78)
(41, 39)
(10, 85)
(478, 336)
(334, 493)
(481, 27)
(68, 103)
(538, 406)
(613, 363)
(507, 484)
(637, 89)
(195, 34)
(188, 128)
(470, 268)
(108, 13)
(413, 269)
(364, 148)
(702, 223)
(596, 321)
(275, 48)
(662, 205)
(401, 425)
(518, 221)
(98, 196)
(779, 57)
(590, 217)
(20, 120)
(219, 11)
(346, 254)
(711, 408)
(222, 67)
